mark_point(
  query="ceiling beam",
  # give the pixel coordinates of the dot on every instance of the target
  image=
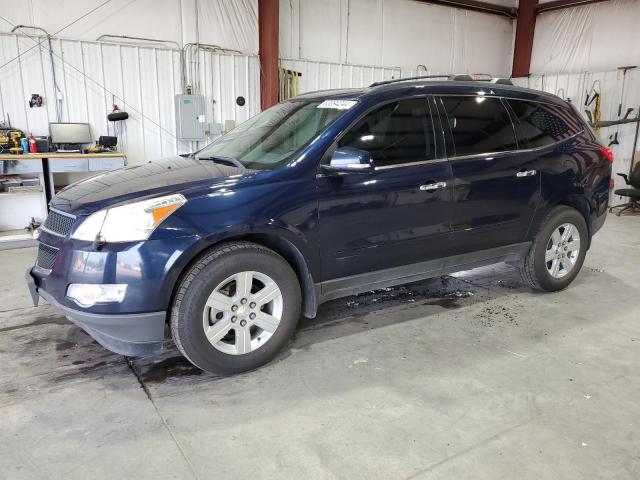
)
(477, 6)
(559, 4)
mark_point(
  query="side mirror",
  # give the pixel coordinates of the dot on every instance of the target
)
(349, 160)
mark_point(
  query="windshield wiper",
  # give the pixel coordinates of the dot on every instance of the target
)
(222, 159)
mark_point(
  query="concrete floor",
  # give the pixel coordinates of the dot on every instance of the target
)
(466, 376)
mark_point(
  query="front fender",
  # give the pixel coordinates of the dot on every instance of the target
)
(302, 258)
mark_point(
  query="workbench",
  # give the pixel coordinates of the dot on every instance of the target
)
(17, 208)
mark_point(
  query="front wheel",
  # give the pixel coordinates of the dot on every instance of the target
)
(235, 308)
(558, 251)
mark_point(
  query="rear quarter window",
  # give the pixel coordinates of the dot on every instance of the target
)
(542, 124)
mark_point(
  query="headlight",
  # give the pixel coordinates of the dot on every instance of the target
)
(88, 294)
(128, 223)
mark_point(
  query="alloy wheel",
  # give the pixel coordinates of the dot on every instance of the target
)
(563, 249)
(242, 313)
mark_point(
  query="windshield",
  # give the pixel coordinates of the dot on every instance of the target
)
(273, 137)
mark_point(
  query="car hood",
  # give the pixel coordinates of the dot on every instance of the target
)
(165, 176)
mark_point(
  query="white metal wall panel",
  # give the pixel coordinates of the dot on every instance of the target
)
(327, 75)
(140, 80)
(401, 33)
(609, 84)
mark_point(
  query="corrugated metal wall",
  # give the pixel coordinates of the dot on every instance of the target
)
(609, 84)
(141, 80)
(318, 75)
(326, 75)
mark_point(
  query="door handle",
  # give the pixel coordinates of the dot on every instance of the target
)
(526, 173)
(432, 187)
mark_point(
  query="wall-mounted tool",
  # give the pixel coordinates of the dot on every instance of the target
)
(593, 97)
(635, 142)
(614, 138)
(35, 100)
(289, 83)
(117, 116)
(624, 83)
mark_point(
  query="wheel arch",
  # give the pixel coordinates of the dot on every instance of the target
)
(575, 201)
(581, 204)
(278, 243)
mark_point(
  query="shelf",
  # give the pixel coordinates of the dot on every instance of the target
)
(13, 194)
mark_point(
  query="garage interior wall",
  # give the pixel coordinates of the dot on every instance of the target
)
(397, 33)
(597, 37)
(581, 49)
(141, 79)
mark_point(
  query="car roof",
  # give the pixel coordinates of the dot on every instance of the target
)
(402, 88)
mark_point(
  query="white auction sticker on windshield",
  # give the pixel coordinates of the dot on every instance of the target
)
(338, 104)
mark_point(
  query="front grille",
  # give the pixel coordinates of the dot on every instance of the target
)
(46, 256)
(58, 223)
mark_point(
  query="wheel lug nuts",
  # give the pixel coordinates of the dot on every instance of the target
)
(243, 301)
(233, 319)
(234, 308)
(252, 316)
(252, 304)
(243, 323)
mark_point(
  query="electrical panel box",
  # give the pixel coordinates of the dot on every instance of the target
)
(190, 117)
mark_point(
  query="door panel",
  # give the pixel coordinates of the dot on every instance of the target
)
(383, 219)
(492, 204)
(495, 187)
(394, 215)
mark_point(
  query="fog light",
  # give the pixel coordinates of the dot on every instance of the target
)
(88, 294)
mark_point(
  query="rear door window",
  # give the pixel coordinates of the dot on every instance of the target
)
(395, 133)
(542, 124)
(478, 124)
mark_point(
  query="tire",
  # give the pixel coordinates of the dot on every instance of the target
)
(196, 307)
(537, 270)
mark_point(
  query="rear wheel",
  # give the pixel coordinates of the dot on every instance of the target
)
(235, 308)
(558, 251)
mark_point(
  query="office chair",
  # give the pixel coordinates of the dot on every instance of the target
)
(633, 180)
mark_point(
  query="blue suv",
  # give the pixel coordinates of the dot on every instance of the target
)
(329, 194)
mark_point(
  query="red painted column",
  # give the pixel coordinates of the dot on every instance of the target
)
(523, 46)
(268, 25)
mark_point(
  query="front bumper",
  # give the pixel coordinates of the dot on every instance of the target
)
(135, 334)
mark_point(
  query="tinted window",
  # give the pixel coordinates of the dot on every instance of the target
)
(479, 125)
(540, 124)
(398, 132)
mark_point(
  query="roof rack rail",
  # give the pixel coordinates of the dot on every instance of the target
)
(459, 77)
(455, 77)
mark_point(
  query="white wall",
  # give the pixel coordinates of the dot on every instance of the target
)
(397, 33)
(143, 78)
(228, 23)
(598, 37)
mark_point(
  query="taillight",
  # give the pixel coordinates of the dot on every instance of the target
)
(608, 153)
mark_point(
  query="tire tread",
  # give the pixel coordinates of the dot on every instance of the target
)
(527, 268)
(208, 257)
